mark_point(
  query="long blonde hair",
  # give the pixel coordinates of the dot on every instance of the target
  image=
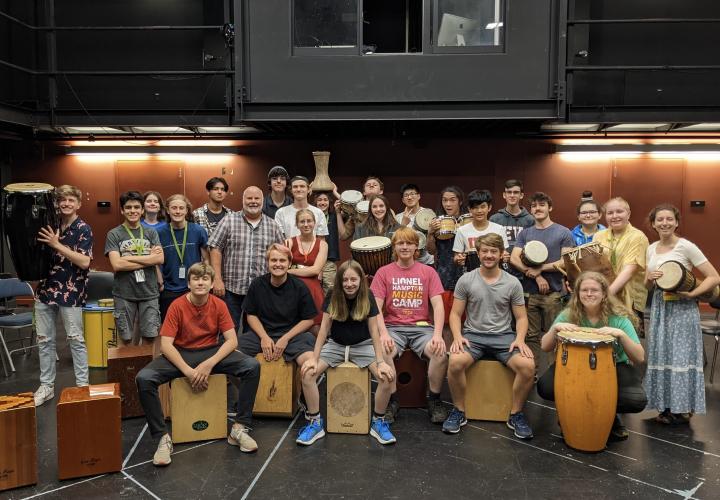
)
(338, 308)
(610, 306)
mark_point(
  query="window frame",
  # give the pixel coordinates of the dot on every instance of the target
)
(468, 49)
(328, 51)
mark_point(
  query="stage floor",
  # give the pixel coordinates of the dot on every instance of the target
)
(484, 461)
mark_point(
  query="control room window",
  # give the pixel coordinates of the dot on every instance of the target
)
(468, 25)
(326, 24)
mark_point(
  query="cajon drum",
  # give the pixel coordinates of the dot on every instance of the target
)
(124, 363)
(411, 380)
(348, 399)
(18, 451)
(278, 390)
(199, 416)
(88, 431)
(489, 391)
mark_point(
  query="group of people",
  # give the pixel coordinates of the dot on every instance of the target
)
(271, 273)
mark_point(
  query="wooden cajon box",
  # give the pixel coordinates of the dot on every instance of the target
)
(411, 376)
(18, 441)
(199, 416)
(88, 431)
(489, 391)
(278, 390)
(348, 399)
(124, 363)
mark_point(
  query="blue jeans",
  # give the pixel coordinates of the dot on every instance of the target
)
(234, 303)
(45, 324)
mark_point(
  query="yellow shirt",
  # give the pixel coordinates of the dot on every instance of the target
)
(628, 248)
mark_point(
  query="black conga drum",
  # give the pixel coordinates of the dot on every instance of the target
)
(27, 207)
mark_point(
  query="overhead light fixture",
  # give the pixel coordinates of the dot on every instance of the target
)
(570, 127)
(243, 129)
(492, 26)
(699, 127)
(94, 130)
(597, 151)
(638, 127)
(150, 150)
(162, 130)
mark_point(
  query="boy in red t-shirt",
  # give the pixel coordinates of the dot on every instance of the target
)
(404, 291)
(190, 347)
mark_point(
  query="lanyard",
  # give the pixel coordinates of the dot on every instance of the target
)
(181, 253)
(137, 242)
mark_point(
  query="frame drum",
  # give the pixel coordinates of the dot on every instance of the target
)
(27, 207)
(675, 278)
(348, 200)
(423, 217)
(534, 254)
(447, 227)
(372, 253)
(361, 211)
(585, 388)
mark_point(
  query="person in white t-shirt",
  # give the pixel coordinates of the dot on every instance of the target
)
(285, 216)
(480, 205)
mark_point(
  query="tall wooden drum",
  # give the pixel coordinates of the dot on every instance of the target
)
(100, 334)
(18, 438)
(585, 388)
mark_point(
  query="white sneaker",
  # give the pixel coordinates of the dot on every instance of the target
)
(44, 394)
(162, 454)
(239, 437)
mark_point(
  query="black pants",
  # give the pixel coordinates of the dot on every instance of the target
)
(631, 395)
(160, 370)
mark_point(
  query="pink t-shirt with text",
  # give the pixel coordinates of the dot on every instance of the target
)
(406, 293)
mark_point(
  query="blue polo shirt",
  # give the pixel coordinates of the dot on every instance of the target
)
(66, 284)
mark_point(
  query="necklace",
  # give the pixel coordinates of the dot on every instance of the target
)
(302, 246)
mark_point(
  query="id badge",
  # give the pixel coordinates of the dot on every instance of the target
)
(139, 276)
(181, 272)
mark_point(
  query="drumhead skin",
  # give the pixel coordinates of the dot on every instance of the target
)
(673, 275)
(536, 251)
(423, 240)
(371, 243)
(351, 196)
(362, 207)
(29, 187)
(585, 336)
(423, 218)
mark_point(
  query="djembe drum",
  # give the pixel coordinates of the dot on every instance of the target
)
(534, 254)
(372, 253)
(361, 211)
(586, 388)
(447, 229)
(26, 208)
(348, 201)
(322, 180)
(677, 278)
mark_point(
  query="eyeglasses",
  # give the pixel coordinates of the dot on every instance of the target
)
(409, 195)
(589, 212)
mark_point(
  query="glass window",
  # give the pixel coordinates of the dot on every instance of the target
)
(469, 23)
(326, 23)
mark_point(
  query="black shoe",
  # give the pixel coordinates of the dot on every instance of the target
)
(437, 411)
(393, 408)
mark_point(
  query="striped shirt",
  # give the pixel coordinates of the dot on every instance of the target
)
(243, 248)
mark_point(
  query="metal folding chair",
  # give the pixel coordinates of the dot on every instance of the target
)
(13, 288)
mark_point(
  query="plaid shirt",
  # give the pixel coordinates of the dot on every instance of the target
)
(200, 217)
(243, 248)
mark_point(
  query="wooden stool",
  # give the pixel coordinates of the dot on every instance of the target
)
(278, 390)
(18, 452)
(489, 391)
(199, 416)
(411, 380)
(124, 363)
(88, 431)
(348, 398)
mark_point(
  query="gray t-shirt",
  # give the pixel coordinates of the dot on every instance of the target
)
(555, 237)
(126, 285)
(489, 307)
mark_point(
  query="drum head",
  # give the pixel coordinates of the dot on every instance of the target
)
(370, 243)
(586, 336)
(536, 251)
(673, 275)
(351, 196)
(423, 218)
(362, 207)
(464, 219)
(28, 187)
(423, 240)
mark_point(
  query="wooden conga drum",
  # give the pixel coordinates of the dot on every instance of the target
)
(18, 435)
(348, 398)
(585, 388)
(88, 431)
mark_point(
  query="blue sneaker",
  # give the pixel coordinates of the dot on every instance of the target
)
(518, 422)
(454, 421)
(380, 430)
(312, 431)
